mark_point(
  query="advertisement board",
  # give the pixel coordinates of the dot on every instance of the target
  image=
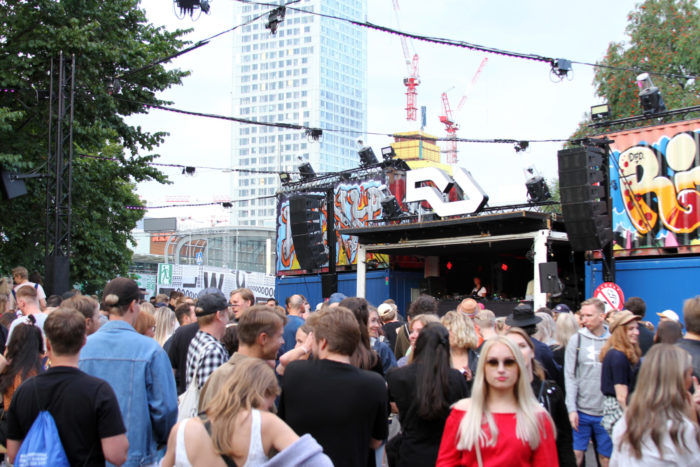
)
(190, 279)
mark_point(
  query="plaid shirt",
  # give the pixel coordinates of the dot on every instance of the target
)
(208, 353)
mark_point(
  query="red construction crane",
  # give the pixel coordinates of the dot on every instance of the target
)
(413, 79)
(448, 120)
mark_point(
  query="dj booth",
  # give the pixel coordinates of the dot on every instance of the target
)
(499, 307)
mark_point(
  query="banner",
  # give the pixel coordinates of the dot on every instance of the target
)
(190, 279)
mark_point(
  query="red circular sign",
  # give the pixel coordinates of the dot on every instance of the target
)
(611, 294)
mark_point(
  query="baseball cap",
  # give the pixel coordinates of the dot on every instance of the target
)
(210, 290)
(337, 297)
(670, 314)
(210, 303)
(562, 308)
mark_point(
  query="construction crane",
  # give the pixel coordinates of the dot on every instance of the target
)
(412, 79)
(448, 119)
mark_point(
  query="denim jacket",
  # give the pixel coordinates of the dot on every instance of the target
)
(140, 374)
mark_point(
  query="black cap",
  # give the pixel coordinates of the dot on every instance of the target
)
(210, 303)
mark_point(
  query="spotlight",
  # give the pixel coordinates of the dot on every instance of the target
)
(388, 153)
(227, 204)
(537, 189)
(391, 208)
(367, 156)
(649, 96)
(188, 171)
(275, 18)
(314, 133)
(285, 178)
(561, 67)
(521, 146)
(600, 112)
(306, 171)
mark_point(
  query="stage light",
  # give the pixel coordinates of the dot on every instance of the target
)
(306, 171)
(537, 189)
(600, 112)
(649, 96)
(285, 178)
(367, 156)
(388, 153)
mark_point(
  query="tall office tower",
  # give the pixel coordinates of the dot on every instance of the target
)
(312, 72)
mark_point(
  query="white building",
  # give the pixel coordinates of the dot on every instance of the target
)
(312, 72)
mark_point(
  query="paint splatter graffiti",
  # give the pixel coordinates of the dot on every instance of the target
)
(354, 203)
(655, 192)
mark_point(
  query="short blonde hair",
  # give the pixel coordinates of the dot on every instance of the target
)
(461, 328)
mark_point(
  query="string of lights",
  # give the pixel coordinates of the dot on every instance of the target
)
(467, 45)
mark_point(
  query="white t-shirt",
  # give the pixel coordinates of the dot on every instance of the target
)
(40, 319)
(650, 454)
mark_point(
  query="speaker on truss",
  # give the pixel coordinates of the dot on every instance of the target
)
(305, 217)
(549, 278)
(583, 179)
(57, 277)
(329, 284)
(12, 188)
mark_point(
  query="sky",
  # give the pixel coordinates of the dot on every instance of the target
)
(511, 99)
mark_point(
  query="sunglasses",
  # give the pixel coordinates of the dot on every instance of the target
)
(507, 363)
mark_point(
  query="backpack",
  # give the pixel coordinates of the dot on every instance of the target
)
(42, 445)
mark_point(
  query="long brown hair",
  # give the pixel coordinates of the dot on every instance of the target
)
(251, 382)
(660, 398)
(619, 341)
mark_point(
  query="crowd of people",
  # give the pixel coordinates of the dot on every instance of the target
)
(220, 381)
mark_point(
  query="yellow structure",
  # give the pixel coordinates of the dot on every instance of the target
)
(416, 146)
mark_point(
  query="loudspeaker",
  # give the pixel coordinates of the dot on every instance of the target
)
(549, 278)
(57, 277)
(329, 284)
(583, 179)
(307, 230)
(12, 188)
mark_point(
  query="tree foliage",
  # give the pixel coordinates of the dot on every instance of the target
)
(663, 38)
(109, 39)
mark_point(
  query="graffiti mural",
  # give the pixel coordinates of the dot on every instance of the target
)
(654, 187)
(354, 203)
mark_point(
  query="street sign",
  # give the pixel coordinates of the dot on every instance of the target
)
(611, 294)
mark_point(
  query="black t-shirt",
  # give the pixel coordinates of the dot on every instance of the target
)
(693, 348)
(177, 353)
(617, 369)
(341, 406)
(646, 339)
(390, 332)
(84, 408)
(421, 437)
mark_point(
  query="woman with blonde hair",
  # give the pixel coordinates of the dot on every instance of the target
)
(620, 356)
(502, 423)
(240, 429)
(660, 426)
(166, 323)
(463, 343)
(145, 324)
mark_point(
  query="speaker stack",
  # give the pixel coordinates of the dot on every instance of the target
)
(305, 216)
(583, 188)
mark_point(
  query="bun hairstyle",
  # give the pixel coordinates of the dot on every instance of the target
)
(118, 294)
(111, 300)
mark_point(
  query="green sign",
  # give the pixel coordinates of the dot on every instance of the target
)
(165, 274)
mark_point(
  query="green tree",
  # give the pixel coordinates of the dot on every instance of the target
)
(110, 39)
(663, 37)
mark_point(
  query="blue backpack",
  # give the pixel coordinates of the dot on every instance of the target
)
(42, 445)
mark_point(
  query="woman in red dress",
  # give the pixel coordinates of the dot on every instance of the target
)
(502, 423)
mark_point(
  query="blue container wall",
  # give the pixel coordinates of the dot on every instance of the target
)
(380, 285)
(662, 283)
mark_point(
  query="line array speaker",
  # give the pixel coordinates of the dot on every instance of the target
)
(307, 230)
(583, 181)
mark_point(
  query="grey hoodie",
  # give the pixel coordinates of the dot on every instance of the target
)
(582, 378)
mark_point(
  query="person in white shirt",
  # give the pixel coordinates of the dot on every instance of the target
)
(20, 276)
